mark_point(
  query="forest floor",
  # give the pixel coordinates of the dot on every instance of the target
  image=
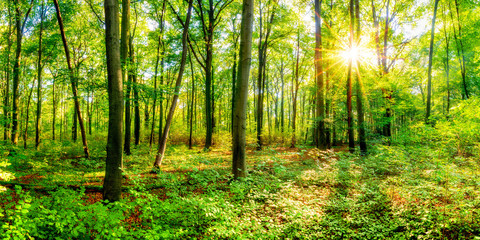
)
(395, 192)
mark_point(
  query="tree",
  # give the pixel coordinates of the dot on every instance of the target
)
(263, 43)
(38, 121)
(73, 80)
(160, 44)
(124, 47)
(460, 48)
(351, 137)
(359, 87)
(113, 173)
(178, 84)
(430, 59)
(320, 126)
(239, 166)
(20, 26)
(6, 104)
(210, 17)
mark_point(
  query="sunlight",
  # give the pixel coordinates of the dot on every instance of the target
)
(351, 54)
(357, 54)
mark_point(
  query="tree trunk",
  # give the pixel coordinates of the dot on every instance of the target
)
(38, 121)
(16, 68)
(113, 168)
(234, 71)
(282, 101)
(74, 126)
(430, 60)
(190, 141)
(54, 108)
(351, 138)
(460, 50)
(25, 134)
(72, 80)
(295, 94)
(155, 87)
(447, 65)
(320, 126)
(124, 47)
(160, 45)
(136, 106)
(360, 114)
(239, 168)
(6, 106)
(163, 141)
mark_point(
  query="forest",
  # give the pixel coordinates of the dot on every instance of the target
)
(240, 119)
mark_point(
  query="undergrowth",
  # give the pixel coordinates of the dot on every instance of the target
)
(425, 185)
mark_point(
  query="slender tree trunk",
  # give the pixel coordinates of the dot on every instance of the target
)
(6, 106)
(447, 65)
(113, 171)
(160, 45)
(209, 111)
(295, 84)
(459, 46)
(261, 64)
(73, 81)
(430, 60)
(282, 101)
(136, 105)
(54, 108)
(360, 114)
(160, 117)
(320, 126)
(38, 121)
(124, 47)
(190, 141)
(239, 167)
(178, 84)
(16, 71)
(155, 88)
(25, 134)
(351, 138)
(234, 72)
(90, 113)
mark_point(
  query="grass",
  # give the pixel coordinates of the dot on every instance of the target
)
(395, 192)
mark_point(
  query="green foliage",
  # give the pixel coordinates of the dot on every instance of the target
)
(62, 215)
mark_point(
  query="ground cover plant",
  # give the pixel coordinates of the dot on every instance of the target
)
(420, 189)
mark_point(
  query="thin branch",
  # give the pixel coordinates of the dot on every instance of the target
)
(95, 12)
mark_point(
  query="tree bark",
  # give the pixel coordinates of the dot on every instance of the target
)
(295, 87)
(19, 26)
(447, 65)
(360, 114)
(320, 126)
(160, 45)
(239, 168)
(113, 171)
(430, 60)
(136, 106)
(190, 140)
(38, 121)
(351, 137)
(54, 108)
(25, 134)
(124, 47)
(178, 84)
(6, 106)
(262, 59)
(72, 80)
